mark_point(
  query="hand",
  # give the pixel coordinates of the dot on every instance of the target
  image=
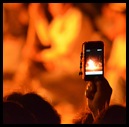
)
(98, 93)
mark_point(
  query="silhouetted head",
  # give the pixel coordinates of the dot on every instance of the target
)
(115, 114)
(44, 112)
(14, 113)
(15, 96)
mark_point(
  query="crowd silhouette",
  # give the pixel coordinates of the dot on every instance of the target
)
(41, 58)
(31, 108)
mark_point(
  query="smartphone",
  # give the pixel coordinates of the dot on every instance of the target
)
(93, 60)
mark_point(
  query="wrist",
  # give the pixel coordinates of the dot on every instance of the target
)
(96, 113)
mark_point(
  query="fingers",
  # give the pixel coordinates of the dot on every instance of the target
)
(100, 87)
(100, 98)
(90, 90)
(104, 86)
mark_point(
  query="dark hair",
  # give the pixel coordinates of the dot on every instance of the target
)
(85, 118)
(115, 114)
(14, 113)
(43, 110)
(15, 96)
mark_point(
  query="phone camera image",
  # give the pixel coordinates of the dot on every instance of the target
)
(93, 62)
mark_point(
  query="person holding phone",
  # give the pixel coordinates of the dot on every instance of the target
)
(98, 101)
(98, 90)
(101, 98)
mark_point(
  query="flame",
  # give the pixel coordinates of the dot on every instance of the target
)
(91, 65)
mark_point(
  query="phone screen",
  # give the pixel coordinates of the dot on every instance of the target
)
(94, 62)
(94, 59)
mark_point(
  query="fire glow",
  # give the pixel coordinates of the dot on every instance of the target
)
(93, 67)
